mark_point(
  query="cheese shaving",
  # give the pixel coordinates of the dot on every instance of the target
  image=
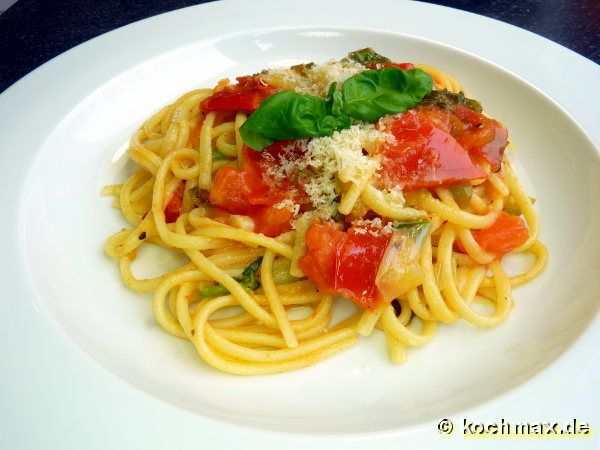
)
(313, 79)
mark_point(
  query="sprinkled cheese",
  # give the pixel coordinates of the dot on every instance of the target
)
(374, 227)
(315, 79)
(340, 157)
(288, 204)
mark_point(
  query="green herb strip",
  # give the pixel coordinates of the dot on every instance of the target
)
(448, 100)
(367, 57)
(248, 280)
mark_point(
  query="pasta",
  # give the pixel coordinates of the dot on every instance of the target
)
(275, 226)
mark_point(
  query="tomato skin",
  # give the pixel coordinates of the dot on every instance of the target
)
(319, 261)
(481, 136)
(506, 233)
(357, 262)
(230, 191)
(344, 263)
(403, 66)
(246, 95)
(173, 208)
(272, 221)
(267, 161)
(252, 191)
(424, 155)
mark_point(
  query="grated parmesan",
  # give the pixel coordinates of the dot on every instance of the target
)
(313, 80)
(374, 227)
(341, 156)
(327, 161)
(288, 204)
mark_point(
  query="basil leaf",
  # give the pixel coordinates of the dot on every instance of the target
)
(334, 100)
(367, 57)
(288, 115)
(254, 139)
(366, 96)
(374, 93)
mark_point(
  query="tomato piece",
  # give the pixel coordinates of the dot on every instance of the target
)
(345, 263)
(403, 66)
(230, 190)
(266, 164)
(272, 221)
(173, 208)
(357, 263)
(319, 261)
(506, 233)
(247, 190)
(246, 95)
(424, 155)
(481, 136)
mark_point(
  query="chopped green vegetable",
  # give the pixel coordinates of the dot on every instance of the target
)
(215, 290)
(448, 100)
(511, 207)
(462, 194)
(367, 57)
(249, 277)
(366, 96)
(248, 280)
(414, 229)
(217, 155)
(397, 224)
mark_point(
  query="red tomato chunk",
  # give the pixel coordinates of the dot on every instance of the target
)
(319, 263)
(424, 155)
(357, 263)
(344, 263)
(252, 190)
(507, 233)
(246, 95)
(173, 208)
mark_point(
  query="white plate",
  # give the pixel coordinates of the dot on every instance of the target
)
(64, 125)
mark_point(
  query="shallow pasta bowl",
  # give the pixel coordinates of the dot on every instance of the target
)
(57, 234)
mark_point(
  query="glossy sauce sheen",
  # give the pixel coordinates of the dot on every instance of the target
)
(357, 263)
(424, 155)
